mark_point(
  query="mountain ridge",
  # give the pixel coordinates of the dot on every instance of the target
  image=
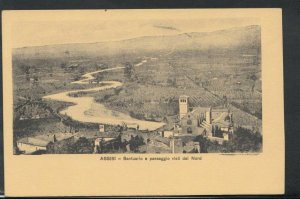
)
(226, 38)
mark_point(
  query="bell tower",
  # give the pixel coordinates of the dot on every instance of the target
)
(183, 105)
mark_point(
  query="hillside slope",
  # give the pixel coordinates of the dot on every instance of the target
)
(242, 39)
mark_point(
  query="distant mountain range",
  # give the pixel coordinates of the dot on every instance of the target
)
(240, 39)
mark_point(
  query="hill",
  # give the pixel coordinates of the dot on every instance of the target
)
(240, 39)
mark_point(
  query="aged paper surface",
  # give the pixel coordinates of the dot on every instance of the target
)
(143, 102)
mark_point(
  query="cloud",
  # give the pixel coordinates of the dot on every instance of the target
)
(166, 27)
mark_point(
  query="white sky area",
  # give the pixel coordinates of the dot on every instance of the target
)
(60, 27)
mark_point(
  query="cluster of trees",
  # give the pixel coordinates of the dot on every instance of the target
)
(74, 125)
(134, 143)
(139, 116)
(83, 145)
(71, 146)
(99, 77)
(110, 147)
(203, 142)
(126, 146)
(172, 82)
(243, 140)
(129, 72)
(29, 108)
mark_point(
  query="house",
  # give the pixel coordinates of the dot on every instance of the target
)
(207, 121)
(30, 145)
(130, 126)
(106, 136)
(166, 134)
(106, 141)
(40, 143)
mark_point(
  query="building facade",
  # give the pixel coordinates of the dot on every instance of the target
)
(206, 121)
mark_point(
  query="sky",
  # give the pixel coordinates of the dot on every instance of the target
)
(46, 28)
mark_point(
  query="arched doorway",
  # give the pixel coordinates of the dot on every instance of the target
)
(189, 130)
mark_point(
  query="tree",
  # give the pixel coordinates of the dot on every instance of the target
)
(67, 52)
(63, 65)
(129, 71)
(135, 142)
(27, 72)
(171, 82)
(225, 101)
(203, 142)
(218, 132)
(99, 77)
(253, 77)
(81, 70)
(244, 140)
(83, 146)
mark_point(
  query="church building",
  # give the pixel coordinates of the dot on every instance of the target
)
(207, 121)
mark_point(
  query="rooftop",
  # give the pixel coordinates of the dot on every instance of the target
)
(110, 134)
(50, 136)
(198, 110)
(183, 96)
(34, 141)
(44, 140)
(221, 120)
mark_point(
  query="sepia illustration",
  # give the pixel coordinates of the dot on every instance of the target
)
(140, 86)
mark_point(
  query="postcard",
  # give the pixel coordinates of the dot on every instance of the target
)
(143, 102)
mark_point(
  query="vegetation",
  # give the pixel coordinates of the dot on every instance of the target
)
(129, 72)
(83, 145)
(244, 140)
(71, 145)
(135, 142)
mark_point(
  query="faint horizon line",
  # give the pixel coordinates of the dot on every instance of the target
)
(119, 40)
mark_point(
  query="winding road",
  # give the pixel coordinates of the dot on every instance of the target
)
(85, 109)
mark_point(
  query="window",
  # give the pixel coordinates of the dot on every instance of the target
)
(189, 130)
(202, 115)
